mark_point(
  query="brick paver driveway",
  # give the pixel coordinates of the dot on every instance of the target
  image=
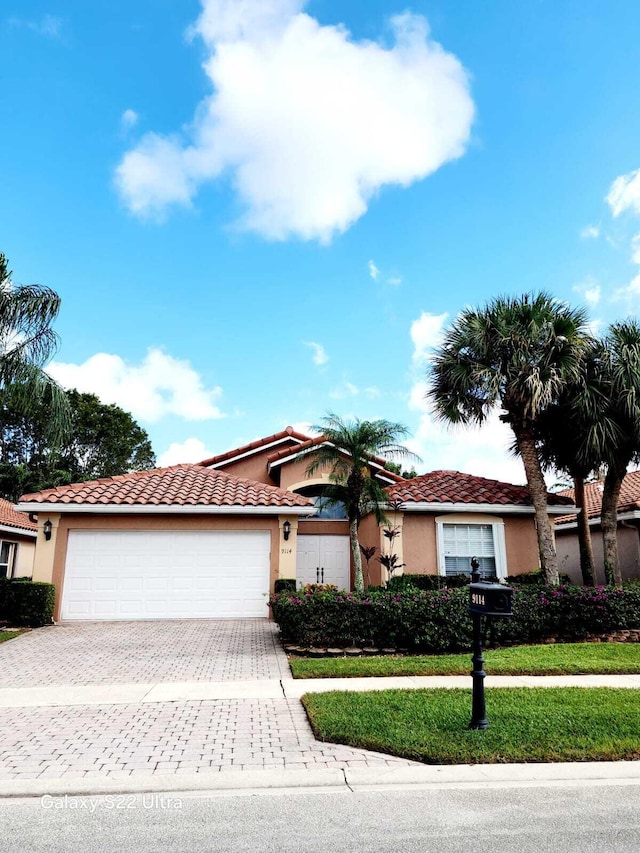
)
(129, 652)
(139, 740)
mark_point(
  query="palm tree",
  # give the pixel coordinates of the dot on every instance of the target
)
(620, 366)
(574, 436)
(27, 342)
(346, 450)
(518, 353)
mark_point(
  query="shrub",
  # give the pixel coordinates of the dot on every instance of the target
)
(284, 584)
(28, 604)
(438, 620)
(429, 582)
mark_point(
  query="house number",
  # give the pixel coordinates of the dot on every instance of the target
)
(478, 598)
(286, 550)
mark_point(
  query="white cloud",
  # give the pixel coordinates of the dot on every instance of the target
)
(307, 123)
(483, 451)
(319, 356)
(49, 26)
(394, 280)
(372, 392)
(635, 249)
(190, 450)
(426, 333)
(160, 385)
(128, 119)
(624, 193)
(347, 389)
(590, 232)
(374, 272)
(589, 290)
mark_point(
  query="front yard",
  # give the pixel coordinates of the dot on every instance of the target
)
(527, 725)
(558, 659)
(8, 635)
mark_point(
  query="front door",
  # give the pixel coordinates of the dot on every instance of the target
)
(323, 559)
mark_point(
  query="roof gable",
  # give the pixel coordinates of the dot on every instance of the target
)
(9, 517)
(288, 438)
(628, 501)
(458, 488)
(180, 485)
(289, 454)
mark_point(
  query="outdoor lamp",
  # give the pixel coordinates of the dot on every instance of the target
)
(286, 529)
(46, 529)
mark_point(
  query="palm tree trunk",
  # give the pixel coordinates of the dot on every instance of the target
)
(538, 488)
(609, 522)
(358, 580)
(584, 535)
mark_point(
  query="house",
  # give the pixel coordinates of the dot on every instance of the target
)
(628, 531)
(17, 542)
(209, 540)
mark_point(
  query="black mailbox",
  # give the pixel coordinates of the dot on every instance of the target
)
(490, 599)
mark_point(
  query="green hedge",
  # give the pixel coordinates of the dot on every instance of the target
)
(429, 582)
(26, 604)
(438, 621)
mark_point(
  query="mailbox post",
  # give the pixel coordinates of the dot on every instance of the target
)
(485, 599)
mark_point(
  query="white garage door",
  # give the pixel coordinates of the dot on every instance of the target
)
(166, 574)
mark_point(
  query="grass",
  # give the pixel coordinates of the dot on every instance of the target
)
(8, 635)
(526, 725)
(558, 659)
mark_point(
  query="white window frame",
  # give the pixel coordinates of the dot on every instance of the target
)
(497, 529)
(13, 553)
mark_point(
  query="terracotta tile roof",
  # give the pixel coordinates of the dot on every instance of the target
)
(628, 501)
(10, 517)
(313, 442)
(455, 487)
(288, 432)
(180, 485)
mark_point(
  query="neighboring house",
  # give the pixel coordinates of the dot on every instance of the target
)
(628, 531)
(17, 542)
(209, 540)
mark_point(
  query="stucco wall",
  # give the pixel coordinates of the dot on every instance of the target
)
(569, 553)
(23, 567)
(53, 569)
(251, 467)
(521, 541)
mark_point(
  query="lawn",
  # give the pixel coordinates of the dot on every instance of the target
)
(557, 659)
(8, 635)
(526, 725)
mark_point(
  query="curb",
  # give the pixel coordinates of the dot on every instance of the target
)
(336, 780)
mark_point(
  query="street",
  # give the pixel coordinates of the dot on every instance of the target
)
(563, 818)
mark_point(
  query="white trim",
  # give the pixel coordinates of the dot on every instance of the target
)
(499, 543)
(253, 451)
(423, 506)
(631, 515)
(167, 509)
(381, 470)
(6, 528)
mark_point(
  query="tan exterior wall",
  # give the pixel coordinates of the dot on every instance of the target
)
(420, 549)
(521, 542)
(569, 553)
(251, 467)
(51, 556)
(369, 535)
(23, 567)
(419, 543)
(295, 472)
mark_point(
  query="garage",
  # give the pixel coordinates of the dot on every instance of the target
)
(155, 574)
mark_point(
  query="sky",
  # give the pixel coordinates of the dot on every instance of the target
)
(260, 211)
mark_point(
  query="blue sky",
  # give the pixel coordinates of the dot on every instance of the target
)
(259, 211)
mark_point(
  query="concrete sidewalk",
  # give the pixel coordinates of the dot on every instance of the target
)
(282, 688)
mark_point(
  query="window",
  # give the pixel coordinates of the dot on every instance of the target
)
(328, 510)
(458, 542)
(7, 556)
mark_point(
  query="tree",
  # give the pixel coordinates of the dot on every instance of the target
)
(518, 353)
(347, 450)
(27, 342)
(103, 441)
(574, 435)
(396, 468)
(620, 376)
